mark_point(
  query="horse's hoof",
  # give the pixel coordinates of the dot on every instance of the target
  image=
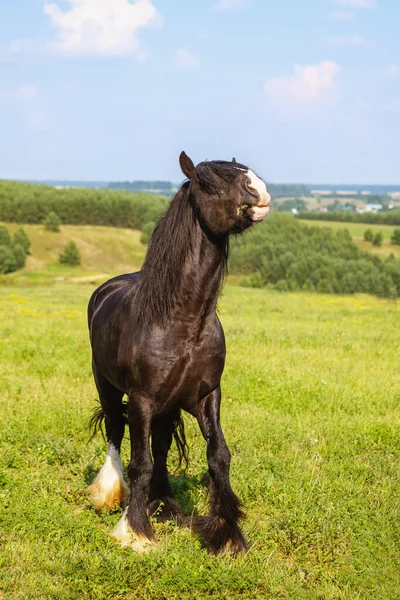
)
(166, 509)
(126, 537)
(233, 548)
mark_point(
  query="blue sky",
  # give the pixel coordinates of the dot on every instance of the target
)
(301, 91)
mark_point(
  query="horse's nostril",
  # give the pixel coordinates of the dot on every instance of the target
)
(252, 190)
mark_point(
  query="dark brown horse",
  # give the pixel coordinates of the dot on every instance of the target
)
(156, 337)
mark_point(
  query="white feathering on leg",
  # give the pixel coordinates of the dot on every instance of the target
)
(109, 489)
(124, 534)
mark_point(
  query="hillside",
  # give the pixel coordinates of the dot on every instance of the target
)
(104, 251)
(283, 253)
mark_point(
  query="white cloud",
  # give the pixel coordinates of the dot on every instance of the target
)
(311, 84)
(100, 27)
(186, 61)
(353, 40)
(358, 3)
(393, 71)
(342, 15)
(229, 5)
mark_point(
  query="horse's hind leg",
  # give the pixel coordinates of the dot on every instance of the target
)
(108, 489)
(220, 528)
(161, 496)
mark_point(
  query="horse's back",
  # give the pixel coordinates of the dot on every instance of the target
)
(117, 286)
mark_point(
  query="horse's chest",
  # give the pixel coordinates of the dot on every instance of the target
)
(191, 376)
(175, 371)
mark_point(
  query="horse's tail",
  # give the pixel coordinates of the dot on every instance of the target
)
(96, 421)
(180, 441)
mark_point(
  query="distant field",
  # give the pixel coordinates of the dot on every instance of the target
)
(357, 233)
(311, 412)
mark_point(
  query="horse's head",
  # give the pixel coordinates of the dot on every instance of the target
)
(228, 195)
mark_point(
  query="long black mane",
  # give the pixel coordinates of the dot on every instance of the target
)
(160, 276)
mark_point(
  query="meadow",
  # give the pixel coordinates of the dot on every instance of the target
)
(311, 413)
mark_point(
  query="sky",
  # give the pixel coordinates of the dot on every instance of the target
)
(301, 91)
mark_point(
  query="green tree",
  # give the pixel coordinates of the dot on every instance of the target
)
(368, 235)
(146, 232)
(8, 261)
(70, 255)
(378, 239)
(19, 255)
(21, 239)
(395, 239)
(52, 222)
(5, 239)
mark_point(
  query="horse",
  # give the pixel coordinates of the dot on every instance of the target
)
(156, 337)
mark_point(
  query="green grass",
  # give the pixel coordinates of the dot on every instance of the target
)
(311, 412)
(357, 233)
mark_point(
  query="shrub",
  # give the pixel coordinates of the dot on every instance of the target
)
(8, 262)
(19, 255)
(395, 239)
(21, 239)
(52, 222)
(368, 235)
(5, 239)
(146, 232)
(282, 286)
(70, 255)
(378, 239)
(13, 255)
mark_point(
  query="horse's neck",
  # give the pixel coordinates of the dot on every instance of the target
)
(201, 278)
(183, 270)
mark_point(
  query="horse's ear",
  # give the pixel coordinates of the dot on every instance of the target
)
(187, 165)
(234, 160)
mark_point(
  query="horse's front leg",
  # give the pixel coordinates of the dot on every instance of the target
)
(220, 528)
(161, 496)
(134, 528)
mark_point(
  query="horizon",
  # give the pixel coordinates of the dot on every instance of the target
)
(177, 184)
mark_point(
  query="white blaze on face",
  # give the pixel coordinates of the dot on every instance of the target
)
(109, 488)
(261, 209)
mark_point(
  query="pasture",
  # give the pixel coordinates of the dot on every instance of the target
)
(311, 409)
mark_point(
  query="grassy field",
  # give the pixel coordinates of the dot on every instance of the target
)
(311, 412)
(357, 233)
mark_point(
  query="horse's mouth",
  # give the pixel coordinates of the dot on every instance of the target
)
(258, 213)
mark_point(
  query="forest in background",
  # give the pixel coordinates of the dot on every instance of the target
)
(282, 252)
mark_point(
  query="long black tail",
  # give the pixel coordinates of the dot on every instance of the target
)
(180, 441)
(96, 422)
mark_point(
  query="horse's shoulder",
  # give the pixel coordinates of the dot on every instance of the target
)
(120, 283)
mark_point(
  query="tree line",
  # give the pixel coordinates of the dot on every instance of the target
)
(31, 203)
(286, 254)
(391, 217)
